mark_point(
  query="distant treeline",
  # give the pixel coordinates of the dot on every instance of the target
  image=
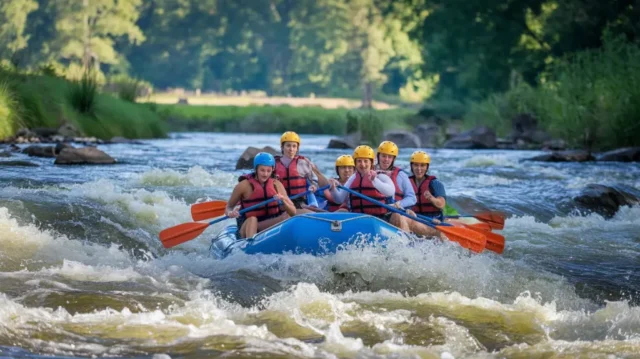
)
(457, 49)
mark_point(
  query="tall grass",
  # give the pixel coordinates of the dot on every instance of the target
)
(273, 119)
(591, 99)
(9, 111)
(83, 93)
(44, 101)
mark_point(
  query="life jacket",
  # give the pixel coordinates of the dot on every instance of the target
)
(393, 174)
(289, 176)
(423, 206)
(332, 206)
(261, 193)
(365, 186)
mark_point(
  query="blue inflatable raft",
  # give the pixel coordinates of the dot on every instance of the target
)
(312, 233)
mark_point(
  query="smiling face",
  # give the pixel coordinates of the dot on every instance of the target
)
(290, 149)
(363, 165)
(263, 173)
(385, 161)
(419, 169)
(344, 172)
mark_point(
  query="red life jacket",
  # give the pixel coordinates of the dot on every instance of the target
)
(365, 186)
(332, 206)
(291, 179)
(261, 193)
(423, 206)
(393, 174)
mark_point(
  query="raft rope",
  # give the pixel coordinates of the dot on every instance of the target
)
(332, 220)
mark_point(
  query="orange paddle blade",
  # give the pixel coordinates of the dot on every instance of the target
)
(181, 233)
(479, 227)
(495, 241)
(494, 219)
(206, 210)
(467, 238)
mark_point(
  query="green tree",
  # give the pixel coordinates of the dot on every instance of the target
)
(13, 20)
(87, 29)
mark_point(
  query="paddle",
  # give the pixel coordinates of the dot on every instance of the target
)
(184, 232)
(492, 218)
(467, 238)
(211, 209)
(495, 242)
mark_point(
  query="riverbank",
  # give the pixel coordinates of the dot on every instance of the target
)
(39, 101)
(274, 119)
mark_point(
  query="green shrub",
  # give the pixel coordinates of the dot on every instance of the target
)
(498, 110)
(592, 98)
(127, 88)
(44, 101)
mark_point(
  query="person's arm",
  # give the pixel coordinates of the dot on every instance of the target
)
(409, 195)
(309, 168)
(439, 196)
(384, 184)
(239, 190)
(312, 201)
(289, 207)
(328, 196)
(338, 194)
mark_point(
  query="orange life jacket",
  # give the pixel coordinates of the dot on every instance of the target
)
(261, 193)
(393, 174)
(423, 206)
(365, 186)
(291, 180)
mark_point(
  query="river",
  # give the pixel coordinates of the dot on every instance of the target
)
(82, 273)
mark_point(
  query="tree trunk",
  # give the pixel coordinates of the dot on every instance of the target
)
(367, 95)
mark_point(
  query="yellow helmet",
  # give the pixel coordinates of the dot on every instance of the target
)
(345, 160)
(363, 152)
(289, 136)
(420, 157)
(388, 148)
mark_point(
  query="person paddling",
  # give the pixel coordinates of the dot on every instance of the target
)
(365, 181)
(404, 196)
(294, 170)
(257, 187)
(430, 193)
(345, 166)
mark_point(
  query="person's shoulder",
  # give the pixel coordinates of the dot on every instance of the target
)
(436, 183)
(403, 174)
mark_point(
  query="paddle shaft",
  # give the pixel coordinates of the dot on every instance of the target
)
(392, 209)
(262, 204)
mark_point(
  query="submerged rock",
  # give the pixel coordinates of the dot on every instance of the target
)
(347, 142)
(564, 156)
(84, 155)
(244, 287)
(606, 200)
(627, 154)
(403, 139)
(481, 137)
(19, 164)
(246, 158)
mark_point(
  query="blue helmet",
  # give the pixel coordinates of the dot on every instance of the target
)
(263, 159)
